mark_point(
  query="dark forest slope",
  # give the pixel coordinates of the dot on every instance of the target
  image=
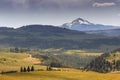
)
(106, 63)
(45, 36)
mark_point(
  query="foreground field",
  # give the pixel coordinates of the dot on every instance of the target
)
(60, 75)
(13, 61)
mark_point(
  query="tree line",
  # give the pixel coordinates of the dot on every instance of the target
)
(101, 64)
(27, 69)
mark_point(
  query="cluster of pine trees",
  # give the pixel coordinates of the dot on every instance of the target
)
(27, 69)
(101, 64)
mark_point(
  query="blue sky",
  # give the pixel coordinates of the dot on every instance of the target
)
(16, 13)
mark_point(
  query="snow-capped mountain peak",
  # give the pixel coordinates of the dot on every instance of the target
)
(76, 22)
(84, 25)
(79, 21)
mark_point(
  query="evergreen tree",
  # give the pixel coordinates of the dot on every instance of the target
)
(28, 69)
(32, 68)
(25, 69)
(21, 69)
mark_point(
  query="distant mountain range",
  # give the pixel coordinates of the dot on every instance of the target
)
(110, 33)
(46, 36)
(80, 24)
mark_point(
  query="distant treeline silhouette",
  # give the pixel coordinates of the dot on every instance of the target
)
(27, 69)
(7, 72)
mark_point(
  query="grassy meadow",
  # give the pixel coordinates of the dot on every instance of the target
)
(13, 61)
(61, 75)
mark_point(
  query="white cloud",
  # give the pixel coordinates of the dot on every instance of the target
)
(106, 4)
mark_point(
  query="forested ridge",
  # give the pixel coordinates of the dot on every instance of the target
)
(108, 62)
(46, 36)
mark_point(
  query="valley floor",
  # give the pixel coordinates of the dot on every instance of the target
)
(61, 75)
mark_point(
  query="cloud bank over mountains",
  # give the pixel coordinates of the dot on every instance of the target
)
(46, 11)
(51, 4)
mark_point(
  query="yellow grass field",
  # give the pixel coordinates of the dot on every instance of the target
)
(61, 75)
(13, 61)
(82, 53)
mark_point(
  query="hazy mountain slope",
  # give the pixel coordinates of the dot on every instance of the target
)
(45, 36)
(112, 32)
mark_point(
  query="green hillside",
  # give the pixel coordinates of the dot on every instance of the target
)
(72, 58)
(45, 57)
(45, 36)
(109, 62)
(13, 61)
(65, 58)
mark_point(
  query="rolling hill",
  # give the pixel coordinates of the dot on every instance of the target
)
(65, 58)
(13, 61)
(109, 62)
(41, 58)
(46, 36)
(110, 33)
